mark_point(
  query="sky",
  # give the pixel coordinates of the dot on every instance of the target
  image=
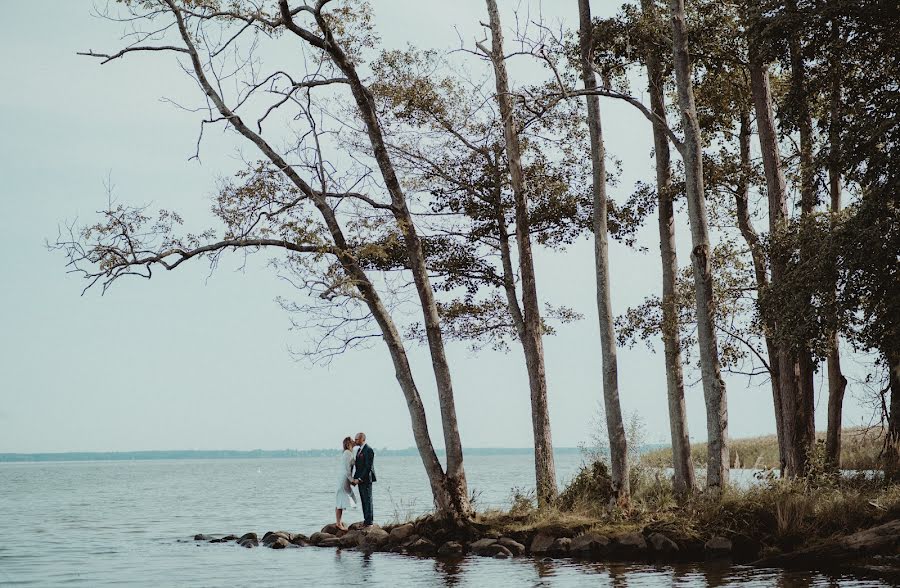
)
(200, 359)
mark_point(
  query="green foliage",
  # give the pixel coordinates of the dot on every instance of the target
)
(591, 489)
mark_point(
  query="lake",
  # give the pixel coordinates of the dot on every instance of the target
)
(132, 522)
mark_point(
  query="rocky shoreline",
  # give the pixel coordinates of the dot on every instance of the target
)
(870, 552)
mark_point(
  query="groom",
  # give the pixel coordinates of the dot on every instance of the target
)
(364, 476)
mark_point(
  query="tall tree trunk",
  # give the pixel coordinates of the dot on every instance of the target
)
(449, 491)
(453, 503)
(713, 384)
(545, 468)
(758, 255)
(892, 440)
(776, 189)
(618, 443)
(837, 383)
(805, 426)
(685, 480)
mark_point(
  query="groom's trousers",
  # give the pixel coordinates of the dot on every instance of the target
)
(365, 496)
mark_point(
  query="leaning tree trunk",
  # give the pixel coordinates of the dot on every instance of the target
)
(713, 384)
(685, 481)
(758, 255)
(776, 189)
(805, 426)
(455, 504)
(449, 490)
(837, 383)
(618, 444)
(545, 468)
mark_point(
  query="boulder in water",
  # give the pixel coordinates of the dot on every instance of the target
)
(248, 540)
(450, 549)
(514, 546)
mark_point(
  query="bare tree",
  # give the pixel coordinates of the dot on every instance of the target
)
(117, 248)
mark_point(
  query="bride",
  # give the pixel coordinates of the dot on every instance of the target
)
(344, 497)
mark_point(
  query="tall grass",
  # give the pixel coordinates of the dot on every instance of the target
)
(860, 450)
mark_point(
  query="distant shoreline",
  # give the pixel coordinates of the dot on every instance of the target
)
(235, 454)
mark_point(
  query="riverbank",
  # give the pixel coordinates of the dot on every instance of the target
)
(823, 524)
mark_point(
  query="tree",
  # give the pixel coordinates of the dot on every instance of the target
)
(267, 211)
(612, 407)
(713, 384)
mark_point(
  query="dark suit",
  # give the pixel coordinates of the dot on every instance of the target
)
(365, 473)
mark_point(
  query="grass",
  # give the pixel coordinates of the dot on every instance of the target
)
(775, 514)
(860, 450)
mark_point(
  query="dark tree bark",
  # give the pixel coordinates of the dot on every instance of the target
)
(713, 384)
(532, 342)
(615, 425)
(837, 383)
(776, 189)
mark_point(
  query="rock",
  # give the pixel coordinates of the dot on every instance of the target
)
(501, 552)
(561, 546)
(481, 546)
(662, 544)
(372, 538)
(401, 533)
(422, 547)
(633, 541)
(230, 538)
(333, 529)
(350, 538)
(541, 543)
(317, 537)
(514, 546)
(219, 540)
(299, 539)
(248, 540)
(279, 543)
(360, 525)
(589, 544)
(273, 536)
(718, 546)
(202, 537)
(450, 549)
(331, 541)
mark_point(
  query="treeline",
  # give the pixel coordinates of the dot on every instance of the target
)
(391, 181)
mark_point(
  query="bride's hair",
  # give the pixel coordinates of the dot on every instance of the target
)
(348, 443)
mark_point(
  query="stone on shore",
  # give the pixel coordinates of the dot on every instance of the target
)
(718, 547)
(279, 543)
(541, 543)
(401, 533)
(333, 529)
(589, 544)
(662, 544)
(272, 536)
(629, 544)
(512, 545)
(481, 546)
(450, 549)
(318, 537)
(372, 538)
(248, 540)
(422, 547)
(561, 546)
(350, 539)
(331, 541)
(299, 539)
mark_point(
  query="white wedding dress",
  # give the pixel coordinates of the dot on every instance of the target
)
(344, 497)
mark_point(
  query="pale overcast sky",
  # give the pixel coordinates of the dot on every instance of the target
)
(193, 360)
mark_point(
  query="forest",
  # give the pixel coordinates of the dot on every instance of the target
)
(430, 177)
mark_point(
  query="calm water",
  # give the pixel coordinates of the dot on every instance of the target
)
(104, 523)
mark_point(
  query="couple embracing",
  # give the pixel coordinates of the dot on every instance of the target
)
(356, 469)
